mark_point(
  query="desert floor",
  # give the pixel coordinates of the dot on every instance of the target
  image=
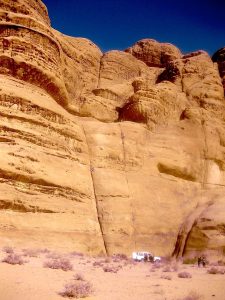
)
(142, 281)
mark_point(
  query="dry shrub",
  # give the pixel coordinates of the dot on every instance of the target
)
(120, 256)
(7, 249)
(218, 263)
(192, 296)
(167, 277)
(60, 263)
(13, 259)
(107, 260)
(44, 251)
(31, 252)
(77, 290)
(98, 264)
(111, 269)
(167, 269)
(78, 276)
(175, 266)
(75, 253)
(184, 275)
(157, 265)
(129, 262)
(221, 262)
(214, 270)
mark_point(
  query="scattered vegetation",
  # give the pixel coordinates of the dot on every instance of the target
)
(192, 296)
(107, 260)
(221, 262)
(184, 275)
(31, 252)
(214, 270)
(218, 263)
(167, 269)
(13, 259)
(60, 263)
(8, 249)
(77, 290)
(120, 256)
(111, 269)
(78, 276)
(167, 277)
(98, 264)
(75, 253)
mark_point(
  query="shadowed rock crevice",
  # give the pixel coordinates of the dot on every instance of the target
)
(176, 171)
(99, 215)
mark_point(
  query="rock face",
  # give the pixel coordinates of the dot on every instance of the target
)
(219, 57)
(112, 152)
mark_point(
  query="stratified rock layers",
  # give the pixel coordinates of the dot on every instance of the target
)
(106, 153)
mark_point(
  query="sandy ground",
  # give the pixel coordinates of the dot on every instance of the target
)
(141, 281)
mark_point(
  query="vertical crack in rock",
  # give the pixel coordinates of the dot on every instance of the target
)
(204, 175)
(95, 197)
(99, 72)
(130, 197)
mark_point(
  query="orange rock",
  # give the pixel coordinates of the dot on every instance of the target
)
(104, 153)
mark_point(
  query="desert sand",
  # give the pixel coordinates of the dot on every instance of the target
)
(132, 280)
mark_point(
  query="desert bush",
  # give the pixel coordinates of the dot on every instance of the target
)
(184, 275)
(31, 252)
(77, 290)
(214, 270)
(167, 269)
(175, 266)
(75, 253)
(13, 259)
(111, 269)
(192, 296)
(107, 260)
(78, 276)
(221, 262)
(157, 265)
(98, 264)
(167, 277)
(120, 256)
(60, 263)
(190, 261)
(7, 249)
(44, 250)
(154, 267)
(129, 262)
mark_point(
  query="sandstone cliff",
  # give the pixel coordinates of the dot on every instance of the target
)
(110, 152)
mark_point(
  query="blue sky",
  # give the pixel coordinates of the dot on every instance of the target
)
(117, 24)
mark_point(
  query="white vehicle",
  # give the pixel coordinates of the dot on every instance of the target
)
(145, 256)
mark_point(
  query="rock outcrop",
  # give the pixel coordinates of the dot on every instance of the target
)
(219, 57)
(112, 152)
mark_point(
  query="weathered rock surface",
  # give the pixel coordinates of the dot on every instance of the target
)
(153, 53)
(219, 57)
(111, 152)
